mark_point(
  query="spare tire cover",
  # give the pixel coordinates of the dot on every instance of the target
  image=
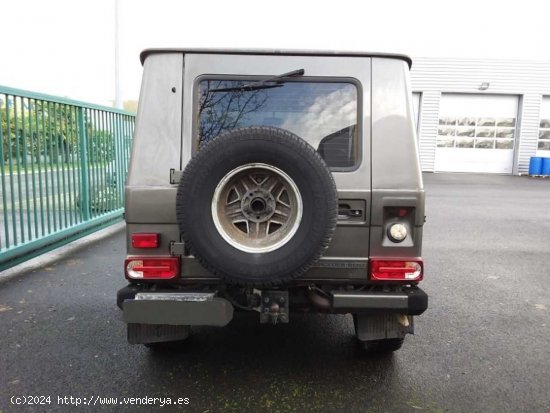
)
(257, 206)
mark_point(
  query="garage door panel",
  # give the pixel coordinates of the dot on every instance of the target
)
(476, 133)
(474, 160)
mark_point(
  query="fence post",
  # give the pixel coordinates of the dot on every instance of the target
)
(83, 158)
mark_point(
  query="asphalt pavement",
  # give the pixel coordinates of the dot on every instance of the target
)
(482, 346)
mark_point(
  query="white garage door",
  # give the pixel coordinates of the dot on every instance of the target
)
(476, 133)
(544, 128)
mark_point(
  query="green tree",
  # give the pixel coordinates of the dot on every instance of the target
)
(41, 130)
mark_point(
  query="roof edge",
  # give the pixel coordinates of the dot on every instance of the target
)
(281, 52)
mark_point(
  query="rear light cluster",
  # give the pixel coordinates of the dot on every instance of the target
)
(398, 221)
(152, 268)
(396, 270)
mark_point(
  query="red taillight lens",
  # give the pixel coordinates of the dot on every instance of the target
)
(155, 268)
(396, 270)
(145, 240)
(402, 212)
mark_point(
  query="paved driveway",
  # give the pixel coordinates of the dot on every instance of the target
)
(483, 346)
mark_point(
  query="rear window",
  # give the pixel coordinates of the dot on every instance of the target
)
(322, 113)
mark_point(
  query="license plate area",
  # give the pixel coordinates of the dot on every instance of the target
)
(191, 296)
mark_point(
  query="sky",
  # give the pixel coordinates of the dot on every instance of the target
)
(66, 47)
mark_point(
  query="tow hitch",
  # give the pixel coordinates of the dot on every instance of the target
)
(274, 307)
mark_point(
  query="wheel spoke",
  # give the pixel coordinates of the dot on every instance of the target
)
(264, 229)
(244, 185)
(242, 188)
(246, 224)
(273, 183)
(237, 199)
(262, 183)
(254, 182)
(233, 212)
(282, 214)
(279, 200)
(253, 230)
(269, 183)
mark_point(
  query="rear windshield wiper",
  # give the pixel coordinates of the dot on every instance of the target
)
(270, 82)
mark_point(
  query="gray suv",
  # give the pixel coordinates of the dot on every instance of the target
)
(274, 182)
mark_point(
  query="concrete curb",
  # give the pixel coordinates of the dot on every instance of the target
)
(60, 252)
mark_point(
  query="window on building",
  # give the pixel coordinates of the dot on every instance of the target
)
(544, 126)
(477, 121)
(482, 133)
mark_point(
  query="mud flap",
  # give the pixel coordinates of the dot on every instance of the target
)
(382, 326)
(156, 333)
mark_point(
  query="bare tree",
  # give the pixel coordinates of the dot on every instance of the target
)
(225, 110)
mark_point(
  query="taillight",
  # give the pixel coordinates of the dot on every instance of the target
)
(396, 270)
(399, 223)
(397, 232)
(153, 268)
(145, 240)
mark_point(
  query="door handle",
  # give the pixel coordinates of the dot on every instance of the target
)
(345, 213)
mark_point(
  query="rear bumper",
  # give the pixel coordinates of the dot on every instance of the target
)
(173, 308)
(411, 301)
(178, 309)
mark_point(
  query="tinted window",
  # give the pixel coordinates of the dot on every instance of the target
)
(322, 113)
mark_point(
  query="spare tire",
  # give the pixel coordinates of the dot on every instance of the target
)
(257, 206)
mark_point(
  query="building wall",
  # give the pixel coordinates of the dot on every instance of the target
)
(529, 80)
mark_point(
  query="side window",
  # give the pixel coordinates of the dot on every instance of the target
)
(322, 113)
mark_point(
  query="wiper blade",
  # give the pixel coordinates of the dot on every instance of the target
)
(270, 82)
(245, 88)
(275, 79)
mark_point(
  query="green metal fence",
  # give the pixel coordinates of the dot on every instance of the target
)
(63, 164)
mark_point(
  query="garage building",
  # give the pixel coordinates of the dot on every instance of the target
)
(488, 116)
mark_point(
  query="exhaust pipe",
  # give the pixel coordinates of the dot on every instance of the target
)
(318, 300)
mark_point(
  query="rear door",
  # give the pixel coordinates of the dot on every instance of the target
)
(329, 107)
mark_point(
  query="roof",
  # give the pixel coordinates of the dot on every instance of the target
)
(147, 52)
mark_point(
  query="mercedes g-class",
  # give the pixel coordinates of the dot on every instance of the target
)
(274, 182)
